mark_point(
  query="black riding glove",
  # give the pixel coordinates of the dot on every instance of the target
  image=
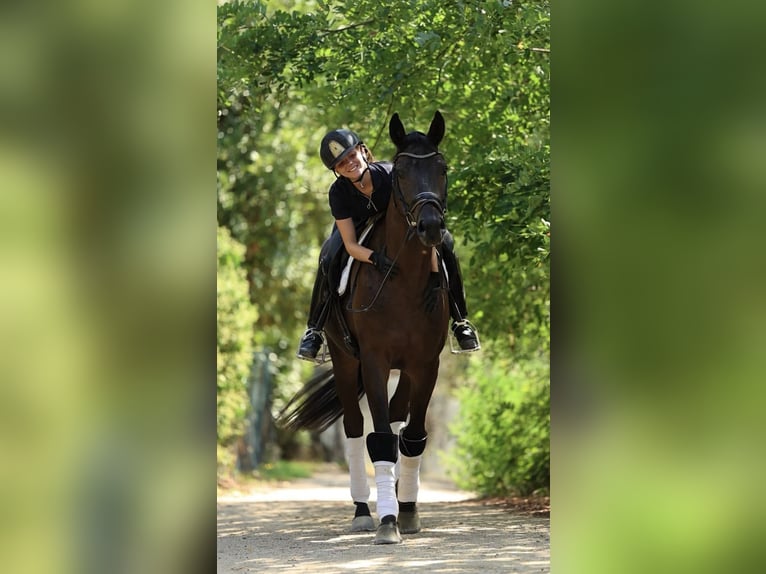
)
(431, 292)
(382, 263)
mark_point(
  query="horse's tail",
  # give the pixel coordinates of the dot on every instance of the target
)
(316, 406)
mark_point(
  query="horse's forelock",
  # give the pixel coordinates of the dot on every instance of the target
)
(417, 142)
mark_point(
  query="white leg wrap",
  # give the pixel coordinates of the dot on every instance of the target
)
(409, 479)
(396, 428)
(384, 480)
(356, 453)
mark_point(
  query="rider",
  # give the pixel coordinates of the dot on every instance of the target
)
(362, 189)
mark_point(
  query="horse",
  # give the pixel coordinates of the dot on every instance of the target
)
(398, 321)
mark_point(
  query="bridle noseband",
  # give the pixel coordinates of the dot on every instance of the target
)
(420, 199)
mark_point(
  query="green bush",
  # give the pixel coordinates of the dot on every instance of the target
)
(503, 433)
(236, 315)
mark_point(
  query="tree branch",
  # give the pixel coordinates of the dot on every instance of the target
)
(349, 27)
(385, 120)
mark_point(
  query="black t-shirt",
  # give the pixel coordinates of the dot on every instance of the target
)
(347, 201)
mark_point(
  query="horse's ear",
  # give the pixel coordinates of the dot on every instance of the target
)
(436, 131)
(396, 130)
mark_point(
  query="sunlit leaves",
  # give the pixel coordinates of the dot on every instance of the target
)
(503, 433)
(484, 64)
(236, 316)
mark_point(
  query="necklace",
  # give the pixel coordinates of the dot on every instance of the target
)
(360, 181)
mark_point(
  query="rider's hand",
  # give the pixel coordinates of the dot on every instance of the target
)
(382, 263)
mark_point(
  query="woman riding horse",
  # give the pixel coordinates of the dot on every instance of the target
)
(383, 322)
(361, 191)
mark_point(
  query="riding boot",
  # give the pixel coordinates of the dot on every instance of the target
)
(464, 331)
(312, 339)
(324, 285)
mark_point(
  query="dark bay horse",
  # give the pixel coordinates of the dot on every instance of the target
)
(398, 322)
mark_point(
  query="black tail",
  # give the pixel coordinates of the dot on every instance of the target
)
(316, 406)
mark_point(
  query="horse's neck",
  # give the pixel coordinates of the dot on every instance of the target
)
(414, 259)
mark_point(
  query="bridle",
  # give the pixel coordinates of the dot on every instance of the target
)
(421, 199)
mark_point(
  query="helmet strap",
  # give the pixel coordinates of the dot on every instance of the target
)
(366, 163)
(359, 181)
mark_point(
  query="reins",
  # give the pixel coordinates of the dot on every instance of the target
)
(365, 308)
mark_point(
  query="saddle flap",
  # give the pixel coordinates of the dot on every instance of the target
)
(346, 273)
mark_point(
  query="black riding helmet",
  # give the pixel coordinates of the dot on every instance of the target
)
(336, 145)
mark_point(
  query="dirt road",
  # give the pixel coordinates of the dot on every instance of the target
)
(303, 527)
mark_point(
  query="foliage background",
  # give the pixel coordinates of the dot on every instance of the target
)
(236, 316)
(107, 300)
(290, 71)
(503, 432)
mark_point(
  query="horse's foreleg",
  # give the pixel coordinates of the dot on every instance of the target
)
(399, 405)
(396, 428)
(410, 457)
(412, 443)
(398, 409)
(383, 449)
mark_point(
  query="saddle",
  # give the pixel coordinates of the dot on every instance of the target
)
(340, 276)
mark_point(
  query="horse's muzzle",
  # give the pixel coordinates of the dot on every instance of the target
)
(431, 227)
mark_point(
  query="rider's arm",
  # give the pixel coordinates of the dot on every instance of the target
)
(348, 233)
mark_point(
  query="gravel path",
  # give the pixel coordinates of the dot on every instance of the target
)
(302, 526)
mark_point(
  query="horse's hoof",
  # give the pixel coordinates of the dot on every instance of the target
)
(409, 522)
(362, 524)
(388, 532)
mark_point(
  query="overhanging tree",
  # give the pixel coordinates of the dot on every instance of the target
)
(289, 71)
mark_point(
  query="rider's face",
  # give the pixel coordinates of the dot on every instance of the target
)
(353, 165)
